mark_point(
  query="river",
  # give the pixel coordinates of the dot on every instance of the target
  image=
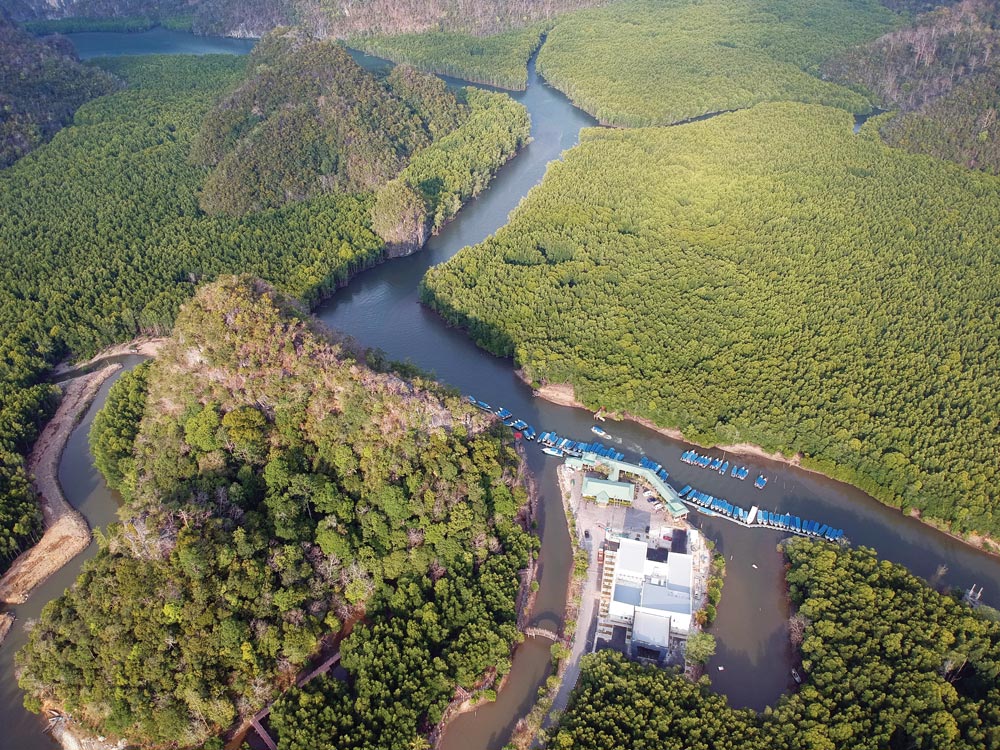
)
(380, 309)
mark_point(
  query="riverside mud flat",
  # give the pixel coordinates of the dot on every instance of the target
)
(67, 533)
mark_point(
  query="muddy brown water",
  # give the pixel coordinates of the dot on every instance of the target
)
(380, 308)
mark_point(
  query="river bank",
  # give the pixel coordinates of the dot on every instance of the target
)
(563, 394)
(6, 622)
(66, 531)
(146, 346)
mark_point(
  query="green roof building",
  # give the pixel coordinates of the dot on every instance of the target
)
(606, 491)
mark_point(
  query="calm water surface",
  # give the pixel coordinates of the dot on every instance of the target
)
(158, 41)
(380, 309)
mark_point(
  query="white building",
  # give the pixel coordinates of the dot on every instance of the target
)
(651, 599)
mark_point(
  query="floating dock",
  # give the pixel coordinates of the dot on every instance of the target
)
(758, 517)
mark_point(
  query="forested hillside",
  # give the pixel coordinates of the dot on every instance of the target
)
(764, 277)
(275, 485)
(342, 20)
(499, 60)
(654, 62)
(41, 86)
(102, 235)
(308, 120)
(889, 663)
(943, 72)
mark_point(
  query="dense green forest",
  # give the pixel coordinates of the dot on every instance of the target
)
(41, 86)
(103, 237)
(308, 120)
(768, 277)
(274, 486)
(499, 60)
(889, 663)
(653, 62)
(943, 74)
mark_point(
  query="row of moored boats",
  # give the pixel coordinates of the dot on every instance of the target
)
(552, 444)
(758, 517)
(526, 430)
(556, 445)
(722, 466)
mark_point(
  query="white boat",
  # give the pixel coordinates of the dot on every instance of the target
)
(552, 452)
(599, 432)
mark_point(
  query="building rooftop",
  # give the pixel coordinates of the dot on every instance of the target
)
(652, 628)
(631, 557)
(604, 490)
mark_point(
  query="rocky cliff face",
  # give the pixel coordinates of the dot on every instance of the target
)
(41, 86)
(346, 18)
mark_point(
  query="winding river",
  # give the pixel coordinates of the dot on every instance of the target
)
(380, 308)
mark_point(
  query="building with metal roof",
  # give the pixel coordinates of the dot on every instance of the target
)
(615, 468)
(606, 491)
(650, 598)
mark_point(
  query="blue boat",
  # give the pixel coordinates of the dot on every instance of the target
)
(760, 482)
(529, 433)
(520, 424)
(599, 432)
(479, 404)
(733, 472)
(724, 468)
(705, 511)
(743, 473)
(503, 413)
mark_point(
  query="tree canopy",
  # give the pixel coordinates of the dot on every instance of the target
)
(103, 237)
(650, 62)
(41, 86)
(765, 277)
(274, 486)
(499, 60)
(888, 662)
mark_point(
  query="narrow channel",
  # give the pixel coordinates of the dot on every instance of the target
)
(380, 308)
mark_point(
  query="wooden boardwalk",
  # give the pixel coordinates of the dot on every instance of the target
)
(260, 715)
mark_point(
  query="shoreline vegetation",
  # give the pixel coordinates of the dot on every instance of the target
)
(66, 531)
(275, 486)
(563, 394)
(736, 320)
(311, 248)
(500, 60)
(861, 627)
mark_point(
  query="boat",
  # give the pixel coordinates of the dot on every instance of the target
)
(760, 482)
(724, 468)
(743, 473)
(797, 677)
(503, 413)
(479, 404)
(705, 511)
(520, 424)
(753, 565)
(734, 471)
(529, 433)
(599, 432)
(552, 452)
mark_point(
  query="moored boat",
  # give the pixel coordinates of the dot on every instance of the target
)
(552, 452)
